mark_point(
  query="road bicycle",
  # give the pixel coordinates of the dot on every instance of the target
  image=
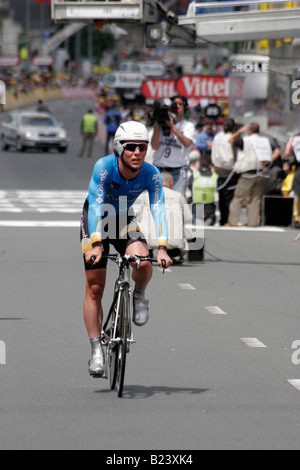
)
(117, 333)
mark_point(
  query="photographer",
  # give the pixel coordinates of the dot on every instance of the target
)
(172, 141)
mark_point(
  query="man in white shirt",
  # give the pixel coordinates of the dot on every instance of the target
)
(172, 151)
(223, 159)
(2, 94)
(178, 215)
(255, 154)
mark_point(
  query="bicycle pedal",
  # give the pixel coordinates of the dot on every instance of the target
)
(98, 376)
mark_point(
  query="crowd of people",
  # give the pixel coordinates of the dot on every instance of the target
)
(250, 166)
(47, 80)
(226, 167)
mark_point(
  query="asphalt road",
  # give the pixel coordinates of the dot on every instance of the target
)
(211, 370)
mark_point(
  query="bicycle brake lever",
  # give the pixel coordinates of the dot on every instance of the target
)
(138, 263)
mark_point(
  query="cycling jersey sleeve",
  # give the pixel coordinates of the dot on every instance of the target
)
(157, 204)
(96, 199)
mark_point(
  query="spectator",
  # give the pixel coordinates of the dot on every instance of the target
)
(275, 174)
(2, 94)
(42, 107)
(255, 154)
(112, 120)
(203, 184)
(205, 139)
(293, 149)
(178, 215)
(89, 129)
(172, 148)
(197, 67)
(223, 159)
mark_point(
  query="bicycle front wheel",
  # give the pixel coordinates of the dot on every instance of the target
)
(113, 355)
(124, 328)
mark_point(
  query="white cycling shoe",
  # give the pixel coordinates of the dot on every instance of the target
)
(96, 364)
(140, 310)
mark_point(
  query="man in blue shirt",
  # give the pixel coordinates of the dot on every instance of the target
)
(112, 120)
(205, 138)
(116, 183)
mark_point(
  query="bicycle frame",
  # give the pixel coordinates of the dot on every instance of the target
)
(118, 342)
(122, 281)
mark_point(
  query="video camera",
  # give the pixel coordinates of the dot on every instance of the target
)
(161, 112)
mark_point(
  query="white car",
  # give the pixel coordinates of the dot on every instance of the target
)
(29, 130)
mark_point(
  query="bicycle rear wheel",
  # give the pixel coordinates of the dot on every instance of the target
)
(124, 328)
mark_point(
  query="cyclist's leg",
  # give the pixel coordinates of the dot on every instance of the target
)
(92, 306)
(93, 317)
(141, 276)
(133, 243)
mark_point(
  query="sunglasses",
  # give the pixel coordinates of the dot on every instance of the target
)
(132, 146)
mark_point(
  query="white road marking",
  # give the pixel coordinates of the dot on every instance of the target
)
(253, 343)
(40, 223)
(187, 287)
(295, 383)
(214, 310)
(64, 210)
(10, 209)
(42, 201)
(247, 229)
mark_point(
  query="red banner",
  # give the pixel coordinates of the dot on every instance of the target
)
(44, 2)
(194, 86)
(78, 92)
(7, 61)
(212, 87)
(43, 61)
(157, 89)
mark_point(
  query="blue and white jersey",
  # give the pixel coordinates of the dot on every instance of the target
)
(111, 194)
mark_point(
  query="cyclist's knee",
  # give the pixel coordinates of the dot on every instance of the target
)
(96, 290)
(145, 269)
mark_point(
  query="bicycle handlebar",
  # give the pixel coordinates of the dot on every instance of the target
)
(130, 259)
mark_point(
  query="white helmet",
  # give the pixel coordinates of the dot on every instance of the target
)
(131, 131)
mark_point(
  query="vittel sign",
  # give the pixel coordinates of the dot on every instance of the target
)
(203, 87)
(249, 66)
(159, 89)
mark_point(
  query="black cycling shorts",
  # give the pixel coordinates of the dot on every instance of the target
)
(118, 231)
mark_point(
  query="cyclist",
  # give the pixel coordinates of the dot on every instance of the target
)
(107, 218)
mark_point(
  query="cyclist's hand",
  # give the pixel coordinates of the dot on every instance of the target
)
(94, 256)
(162, 257)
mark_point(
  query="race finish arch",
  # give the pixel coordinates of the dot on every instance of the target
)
(106, 10)
(130, 15)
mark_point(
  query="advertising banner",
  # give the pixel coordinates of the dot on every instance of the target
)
(159, 89)
(44, 2)
(212, 87)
